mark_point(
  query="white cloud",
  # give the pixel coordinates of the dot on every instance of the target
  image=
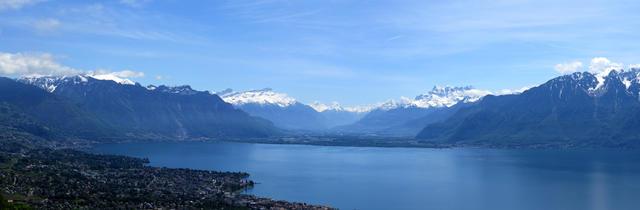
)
(517, 91)
(394, 38)
(17, 4)
(46, 25)
(564, 68)
(46, 64)
(124, 73)
(28, 64)
(603, 65)
(597, 65)
(634, 66)
(160, 77)
(128, 73)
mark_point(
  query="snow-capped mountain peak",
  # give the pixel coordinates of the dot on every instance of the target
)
(112, 78)
(320, 107)
(598, 83)
(448, 96)
(50, 83)
(402, 102)
(437, 97)
(335, 106)
(179, 89)
(262, 96)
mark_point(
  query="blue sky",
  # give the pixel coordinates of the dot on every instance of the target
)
(353, 52)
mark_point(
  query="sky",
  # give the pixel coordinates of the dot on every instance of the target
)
(353, 52)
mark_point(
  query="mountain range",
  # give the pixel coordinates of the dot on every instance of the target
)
(129, 110)
(407, 117)
(579, 109)
(583, 108)
(286, 112)
(402, 117)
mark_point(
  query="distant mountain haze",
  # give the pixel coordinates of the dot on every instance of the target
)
(407, 117)
(286, 112)
(583, 108)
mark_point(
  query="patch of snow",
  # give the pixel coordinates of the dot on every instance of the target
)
(320, 107)
(264, 96)
(437, 97)
(600, 67)
(449, 96)
(112, 78)
(403, 102)
(48, 83)
(626, 82)
(83, 79)
(335, 106)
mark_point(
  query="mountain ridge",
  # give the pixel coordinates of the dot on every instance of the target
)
(580, 108)
(156, 112)
(407, 117)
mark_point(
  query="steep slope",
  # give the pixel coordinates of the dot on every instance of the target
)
(155, 112)
(285, 112)
(20, 131)
(407, 117)
(578, 109)
(54, 111)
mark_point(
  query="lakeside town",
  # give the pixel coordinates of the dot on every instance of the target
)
(43, 178)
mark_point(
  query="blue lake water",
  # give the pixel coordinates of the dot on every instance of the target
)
(414, 178)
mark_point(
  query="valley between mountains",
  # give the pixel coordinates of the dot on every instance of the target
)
(582, 109)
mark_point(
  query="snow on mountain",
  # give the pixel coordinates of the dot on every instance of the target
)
(263, 96)
(449, 96)
(437, 97)
(335, 106)
(50, 83)
(112, 78)
(267, 96)
(595, 83)
(180, 89)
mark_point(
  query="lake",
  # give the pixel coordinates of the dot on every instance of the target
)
(414, 178)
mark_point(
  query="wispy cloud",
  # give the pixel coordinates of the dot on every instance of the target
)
(286, 17)
(516, 91)
(46, 25)
(128, 73)
(17, 4)
(109, 21)
(134, 3)
(161, 77)
(394, 38)
(564, 68)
